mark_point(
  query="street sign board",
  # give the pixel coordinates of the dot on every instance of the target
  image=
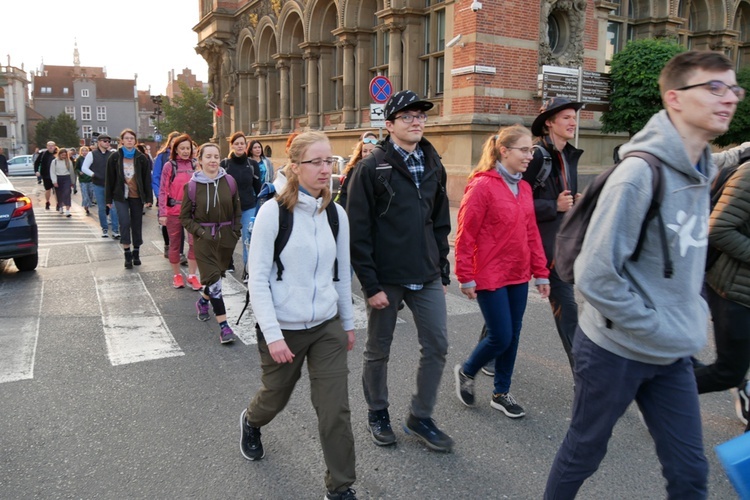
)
(595, 88)
(380, 89)
(376, 115)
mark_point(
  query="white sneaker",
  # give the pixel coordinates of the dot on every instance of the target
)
(67, 213)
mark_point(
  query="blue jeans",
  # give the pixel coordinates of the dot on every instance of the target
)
(87, 193)
(101, 204)
(605, 385)
(503, 314)
(246, 215)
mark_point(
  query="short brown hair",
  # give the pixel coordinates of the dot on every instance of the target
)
(236, 136)
(128, 131)
(680, 68)
(180, 139)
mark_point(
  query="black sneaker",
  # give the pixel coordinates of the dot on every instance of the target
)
(426, 430)
(349, 494)
(742, 403)
(250, 444)
(230, 269)
(507, 404)
(464, 386)
(379, 425)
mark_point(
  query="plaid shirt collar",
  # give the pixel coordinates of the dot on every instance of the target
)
(414, 161)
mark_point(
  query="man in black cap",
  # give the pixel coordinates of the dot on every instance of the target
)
(400, 221)
(95, 166)
(555, 189)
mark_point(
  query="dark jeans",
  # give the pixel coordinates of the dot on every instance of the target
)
(101, 203)
(565, 310)
(503, 314)
(605, 385)
(732, 335)
(131, 220)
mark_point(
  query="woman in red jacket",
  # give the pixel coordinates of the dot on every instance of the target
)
(498, 249)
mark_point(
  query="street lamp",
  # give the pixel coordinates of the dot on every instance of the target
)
(157, 100)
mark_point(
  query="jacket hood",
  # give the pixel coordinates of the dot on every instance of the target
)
(660, 138)
(202, 178)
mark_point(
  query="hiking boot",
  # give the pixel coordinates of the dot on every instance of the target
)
(379, 425)
(250, 444)
(194, 282)
(507, 404)
(136, 257)
(426, 430)
(202, 309)
(742, 403)
(128, 259)
(178, 281)
(464, 386)
(349, 494)
(226, 335)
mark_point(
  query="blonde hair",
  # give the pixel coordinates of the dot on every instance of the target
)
(297, 149)
(506, 136)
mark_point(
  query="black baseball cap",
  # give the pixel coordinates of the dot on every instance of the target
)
(405, 99)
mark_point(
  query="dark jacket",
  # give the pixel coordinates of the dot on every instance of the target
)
(114, 185)
(78, 164)
(729, 231)
(3, 164)
(247, 174)
(99, 165)
(42, 163)
(545, 197)
(399, 239)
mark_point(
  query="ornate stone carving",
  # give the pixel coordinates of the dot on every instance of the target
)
(253, 19)
(276, 6)
(221, 70)
(573, 12)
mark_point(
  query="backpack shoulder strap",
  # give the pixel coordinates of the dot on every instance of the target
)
(383, 172)
(543, 174)
(232, 184)
(173, 164)
(333, 220)
(192, 187)
(286, 222)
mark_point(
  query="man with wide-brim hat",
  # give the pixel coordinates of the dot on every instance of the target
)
(555, 192)
(399, 221)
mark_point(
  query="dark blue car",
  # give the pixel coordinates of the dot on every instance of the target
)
(19, 239)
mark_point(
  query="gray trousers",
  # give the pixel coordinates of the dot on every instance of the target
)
(429, 310)
(324, 348)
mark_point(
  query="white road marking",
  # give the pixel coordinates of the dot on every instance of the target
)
(43, 257)
(133, 327)
(234, 300)
(20, 334)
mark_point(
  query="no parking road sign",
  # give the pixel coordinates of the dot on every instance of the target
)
(380, 89)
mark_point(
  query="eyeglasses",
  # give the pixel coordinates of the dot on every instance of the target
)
(421, 118)
(369, 140)
(525, 151)
(318, 162)
(718, 88)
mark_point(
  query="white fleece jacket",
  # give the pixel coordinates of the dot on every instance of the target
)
(307, 295)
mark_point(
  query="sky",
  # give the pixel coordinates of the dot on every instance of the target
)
(149, 38)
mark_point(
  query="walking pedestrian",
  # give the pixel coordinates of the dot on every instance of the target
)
(362, 149)
(639, 326)
(212, 217)
(60, 174)
(307, 315)
(128, 187)
(95, 166)
(41, 168)
(175, 174)
(400, 221)
(498, 249)
(87, 188)
(162, 157)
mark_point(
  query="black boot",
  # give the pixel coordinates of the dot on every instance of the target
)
(128, 259)
(166, 251)
(136, 257)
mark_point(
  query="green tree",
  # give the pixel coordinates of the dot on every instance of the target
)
(62, 129)
(739, 129)
(635, 84)
(189, 113)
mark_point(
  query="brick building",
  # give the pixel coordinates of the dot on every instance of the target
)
(282, 65)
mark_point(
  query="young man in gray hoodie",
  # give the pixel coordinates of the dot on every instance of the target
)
(638, 328)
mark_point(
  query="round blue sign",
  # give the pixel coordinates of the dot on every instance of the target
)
(380, 89)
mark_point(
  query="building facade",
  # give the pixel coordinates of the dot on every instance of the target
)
(14, 92)
(290, 65)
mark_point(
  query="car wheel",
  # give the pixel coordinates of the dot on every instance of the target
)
(27, 262)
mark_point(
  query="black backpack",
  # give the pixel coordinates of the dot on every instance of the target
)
(569, 239)
(286, 223)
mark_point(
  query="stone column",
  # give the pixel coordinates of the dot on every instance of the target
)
(313, 97)
(350, 116)
(395, 65)
(285, 112)
(261, 74)
(243, 101)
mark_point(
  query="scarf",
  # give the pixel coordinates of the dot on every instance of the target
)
(128, 153)
(511, 180)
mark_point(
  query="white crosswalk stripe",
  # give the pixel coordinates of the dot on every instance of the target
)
(55, 229)
(19, 334)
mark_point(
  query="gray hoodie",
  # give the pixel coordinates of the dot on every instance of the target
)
(654, 319)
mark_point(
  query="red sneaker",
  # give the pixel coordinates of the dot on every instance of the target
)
(194, 282)
(178, 281)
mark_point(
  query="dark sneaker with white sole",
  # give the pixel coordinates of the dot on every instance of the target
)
(379, 425)
(464, 386)
(349, 494)
(250, 444)
(426, 430)
(742, 404)
(507, 404)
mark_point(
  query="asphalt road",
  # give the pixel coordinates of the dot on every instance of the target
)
(80, 419)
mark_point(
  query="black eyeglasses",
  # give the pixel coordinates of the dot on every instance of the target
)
(718, 88)
(318, 162)
(421, 118)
